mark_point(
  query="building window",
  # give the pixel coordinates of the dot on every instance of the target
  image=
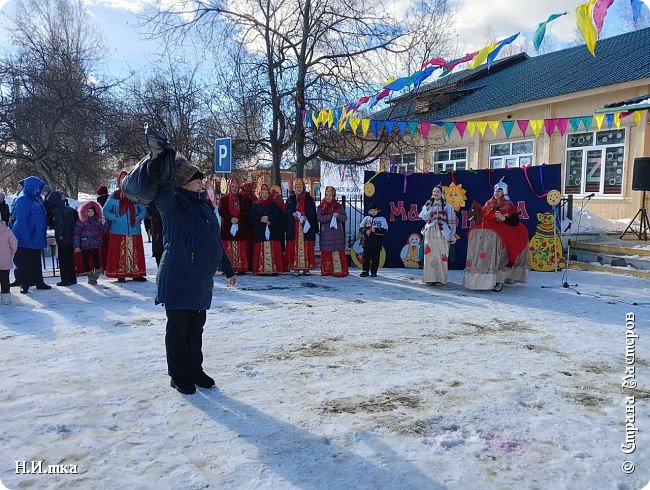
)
(594, 162)
(403, 164)
(513, 154)
(451, 159)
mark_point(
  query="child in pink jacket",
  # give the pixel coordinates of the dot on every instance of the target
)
(8, 246)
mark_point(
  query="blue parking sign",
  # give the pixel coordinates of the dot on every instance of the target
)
(223, 155)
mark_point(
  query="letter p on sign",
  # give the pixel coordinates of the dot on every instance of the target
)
(223, 155)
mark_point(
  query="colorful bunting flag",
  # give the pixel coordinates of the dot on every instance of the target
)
(492, 56)
(481, 125)
(439, 62)
(536, 124)
(617, 120)
(600, 11)
(375, 127)
(586, 122)
(412, 127)
(365, 125)
(562, 123)
(549, 126)
(471, 128)
(585, 23)
(494, 126)
(389, 126)
(575, 123)
(599, 120)
(637, 116)
(523, 126)
(424, 128)
(610, 120)
(402, 127)
(637, 6)
(460, 127)
(482, 56)
(449, 127)
(507, 127)
(540, 32)
(354, 124)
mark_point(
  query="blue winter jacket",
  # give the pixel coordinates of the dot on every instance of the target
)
(193, 250)
(30, 218)
(121, 225)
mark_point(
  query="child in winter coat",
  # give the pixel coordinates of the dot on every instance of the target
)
(89, 235)
(373, 228)
(8, 246)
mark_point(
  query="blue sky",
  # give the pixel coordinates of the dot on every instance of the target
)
(476, 22)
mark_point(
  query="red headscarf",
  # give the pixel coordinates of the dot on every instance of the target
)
(264, 202)
(125, 203)
(233, 199)
(334, 206)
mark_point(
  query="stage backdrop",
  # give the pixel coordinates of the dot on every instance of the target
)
(401, 198)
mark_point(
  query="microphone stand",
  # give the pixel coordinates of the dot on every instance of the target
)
(565, 276)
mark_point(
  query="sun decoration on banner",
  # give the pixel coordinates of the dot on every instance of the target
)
(455, 195)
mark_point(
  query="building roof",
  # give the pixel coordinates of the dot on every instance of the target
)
(640, 103)
(520, 79)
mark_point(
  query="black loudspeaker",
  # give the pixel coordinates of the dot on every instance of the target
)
(641, 175)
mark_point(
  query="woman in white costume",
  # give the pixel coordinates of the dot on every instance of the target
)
(439, 234)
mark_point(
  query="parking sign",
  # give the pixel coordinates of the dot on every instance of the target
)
(223, 155)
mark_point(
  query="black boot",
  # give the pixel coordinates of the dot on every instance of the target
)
(184, 388)
(202, 380)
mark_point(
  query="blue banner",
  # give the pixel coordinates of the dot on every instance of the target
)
(401, 198)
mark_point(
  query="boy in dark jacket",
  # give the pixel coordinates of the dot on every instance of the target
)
(374, 227)
(64, 219)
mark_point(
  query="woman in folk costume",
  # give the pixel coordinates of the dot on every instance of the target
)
(439, 234)
(332, 218)
(301, 223)
(125, 249)
(234, 210)
(497, 250)
(266, 219)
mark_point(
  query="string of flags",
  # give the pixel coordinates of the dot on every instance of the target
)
(590, 17)
(334, 119)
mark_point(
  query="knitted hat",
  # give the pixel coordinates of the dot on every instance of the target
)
(102, 190)
(185, 171)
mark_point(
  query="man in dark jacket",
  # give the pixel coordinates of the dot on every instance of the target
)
(64, 219)
(193, 252)
(30, 227)
(4, 209)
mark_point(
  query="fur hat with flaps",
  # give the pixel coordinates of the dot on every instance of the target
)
(83, 210)
(185, 171)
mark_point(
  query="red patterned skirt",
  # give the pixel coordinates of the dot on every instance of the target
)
(267, 258)
(333, 264)
(300, 255)
(237, 251)
(125, 256)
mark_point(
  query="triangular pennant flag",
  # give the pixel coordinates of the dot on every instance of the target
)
(494, 126)
(449, 127)
(523, 125)
(482, 56)
(492, 56)
(315, 117)
(586, 122)
(412, 127)
(507, 127)
(460, 127)
(343, 122)
(600, 10)
(541, 30)
(338, 112)
(549, 125)
(617, 120)
(402, 127)
(610, 120)
(585, 23)
(424, 128)
(365, 125)
(637, 6)
(330, 118)
(562, 123)
(575, 123)
(375, 127)
(323, 116)
(637, 116)
(537, 125)
(481, 125)
(354, 124)
(389, 126)
(599, 120)
(471, 128)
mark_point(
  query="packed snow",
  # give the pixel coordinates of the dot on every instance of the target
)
(353, 383)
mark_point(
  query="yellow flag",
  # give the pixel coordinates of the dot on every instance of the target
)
(315, 117)
(365, 125)
(330, 117)
(585, 23)
(637, 116)
(599, 119)
(617, 120)
(537, 125)
(354, 124)
(482, 125)
(494, 126)
(482, 55)
(471, 128)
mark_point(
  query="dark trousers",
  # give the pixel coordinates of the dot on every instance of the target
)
(4, 282)
(66, 263)
(86, 255)
(371, 260)
(29, 262)
(183, 342)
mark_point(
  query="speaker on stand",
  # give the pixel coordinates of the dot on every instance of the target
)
(640, 182)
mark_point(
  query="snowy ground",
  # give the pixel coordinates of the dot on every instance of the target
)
(331, 383)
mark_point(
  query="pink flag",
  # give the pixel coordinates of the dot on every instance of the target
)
(424, 128)
(600, 10)
(439, 62)
(461, 126)
(562, 123)
(549, 125)
(523, 125)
